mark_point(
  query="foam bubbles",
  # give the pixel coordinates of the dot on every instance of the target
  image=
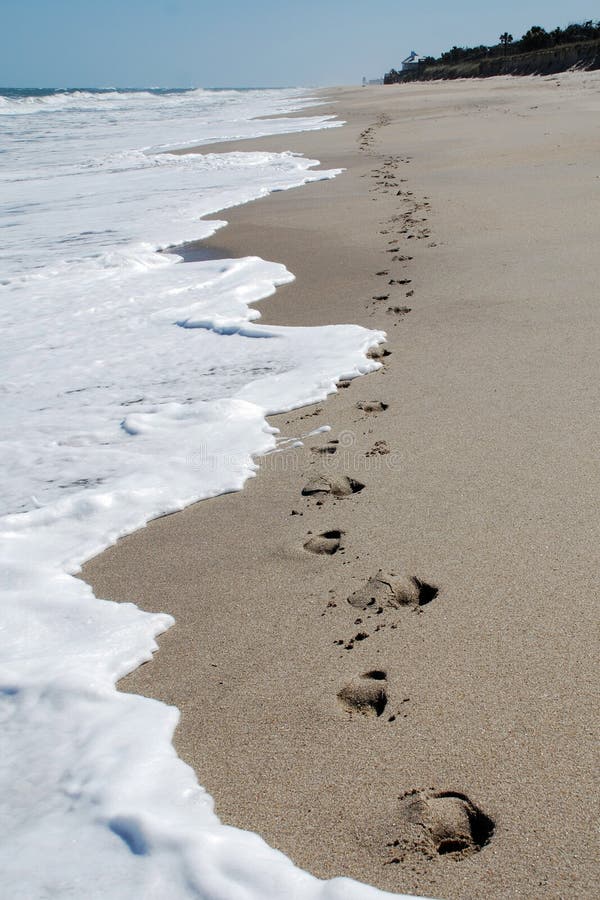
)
(134, 385)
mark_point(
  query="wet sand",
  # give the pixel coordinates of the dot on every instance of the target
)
(466, 227)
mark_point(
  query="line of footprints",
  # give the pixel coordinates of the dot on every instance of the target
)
(430, 822)
(408, 223)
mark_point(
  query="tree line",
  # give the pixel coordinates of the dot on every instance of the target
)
(536, 38)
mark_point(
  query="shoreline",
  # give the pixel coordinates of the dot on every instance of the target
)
(477, 682)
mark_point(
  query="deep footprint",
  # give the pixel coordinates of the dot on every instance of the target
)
(366, 694)
(443, 822)
(333, 485)
(393, 591)
(328, 542)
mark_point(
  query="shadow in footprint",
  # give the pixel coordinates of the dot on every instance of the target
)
(326, 449)
(443, 822)
(393, 591)
(378, 352)
(371, 407)
(329, 542)
(366, 694)
(333, 485)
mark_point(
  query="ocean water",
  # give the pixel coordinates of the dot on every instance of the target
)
(133, 384)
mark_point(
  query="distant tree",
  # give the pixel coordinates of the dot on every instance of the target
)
(536, 38)
(392, 77)
(586, 31)
(456, 54)
(506, 39)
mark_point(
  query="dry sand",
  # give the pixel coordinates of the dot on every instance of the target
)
(489, 493)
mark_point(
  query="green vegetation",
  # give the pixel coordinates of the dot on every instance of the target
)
(537, 52)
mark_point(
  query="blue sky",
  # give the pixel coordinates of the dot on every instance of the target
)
(183, 43)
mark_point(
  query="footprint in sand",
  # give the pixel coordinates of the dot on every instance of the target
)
(436, 823)
(372, 407)
(379, 448)
(328, 542)
(380, 599)
(366, 694)
(315, 412)
(326, 449)
(378, 353)
(393, 591)
(331, 485)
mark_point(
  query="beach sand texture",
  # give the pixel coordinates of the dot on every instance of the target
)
(337, 648)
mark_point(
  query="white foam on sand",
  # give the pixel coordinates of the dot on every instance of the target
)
(134, 384)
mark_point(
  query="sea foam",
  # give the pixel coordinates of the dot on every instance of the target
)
(134, 384)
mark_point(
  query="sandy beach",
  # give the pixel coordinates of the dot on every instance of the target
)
(385, 645)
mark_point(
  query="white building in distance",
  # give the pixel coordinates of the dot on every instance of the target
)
(412, 62)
